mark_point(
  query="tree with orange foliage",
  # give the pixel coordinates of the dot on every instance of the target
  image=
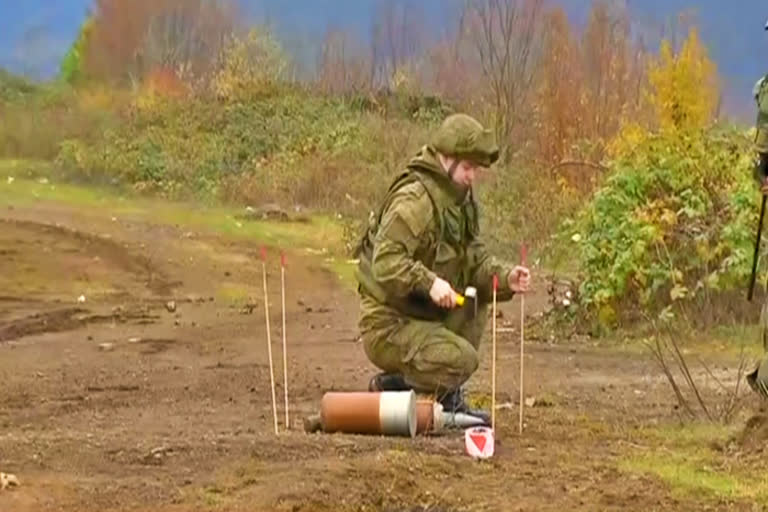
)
(132, 39)
(560, 115)
(613, 71)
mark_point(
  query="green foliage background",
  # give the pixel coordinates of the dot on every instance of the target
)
(674, 223)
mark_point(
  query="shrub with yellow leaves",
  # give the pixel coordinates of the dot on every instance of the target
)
(684, 85)
(251, 67)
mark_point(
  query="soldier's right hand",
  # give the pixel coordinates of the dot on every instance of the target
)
(442, 294)
(764, 187)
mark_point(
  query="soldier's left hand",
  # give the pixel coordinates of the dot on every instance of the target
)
(519, 279)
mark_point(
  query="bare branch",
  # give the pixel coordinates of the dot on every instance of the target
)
(507, 36)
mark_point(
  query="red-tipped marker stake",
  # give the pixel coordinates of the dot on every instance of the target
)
(493, 356)
(269, 337)
(285, 345)
(523, 257)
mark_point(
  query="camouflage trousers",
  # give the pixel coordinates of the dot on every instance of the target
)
(433, 357)
(758, 378)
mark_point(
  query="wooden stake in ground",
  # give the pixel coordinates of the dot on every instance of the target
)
(269, 337)
(285, 345)
(493, 356)
(522, 341)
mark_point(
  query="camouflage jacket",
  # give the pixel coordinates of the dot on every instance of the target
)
(426, 227)
(760, 92)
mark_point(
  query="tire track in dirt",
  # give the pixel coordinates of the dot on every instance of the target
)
(94, 245)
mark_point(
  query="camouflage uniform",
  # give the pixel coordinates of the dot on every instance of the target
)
(758, 379)
(427, 227)
(760, 92)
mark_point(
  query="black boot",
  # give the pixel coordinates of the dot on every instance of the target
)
(388, 382)
(454, 402)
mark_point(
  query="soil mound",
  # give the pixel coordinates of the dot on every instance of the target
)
(754, 437)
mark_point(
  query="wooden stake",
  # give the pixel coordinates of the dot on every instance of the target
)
(522, 358)
(285, 345)
(269, 337)
(522, 342)
(493, 357)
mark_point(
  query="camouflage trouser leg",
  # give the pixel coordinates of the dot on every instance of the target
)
(758, 378)
(433, 357)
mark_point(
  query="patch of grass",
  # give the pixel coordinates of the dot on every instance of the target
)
(688, 475)
(24, 168)
(729, 339)
(232, 293)
(212, 497)
(684, 458)
(320, 233)
(722, 343)
(695, 436)
(345, 269)
(17, 188)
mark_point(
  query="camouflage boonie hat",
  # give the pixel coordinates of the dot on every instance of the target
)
(463, 137)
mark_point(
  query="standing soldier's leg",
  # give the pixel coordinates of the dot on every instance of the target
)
(758, 378)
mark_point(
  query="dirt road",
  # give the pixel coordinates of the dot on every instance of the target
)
(134, 376)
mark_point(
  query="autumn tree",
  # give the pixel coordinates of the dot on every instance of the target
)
(508, 38)
(131, 39)
(343, 67)
(684, 85)
(72, 64)
(397, 38)
(560, 113)
(251, 67)
(452, 69)
(613, 71)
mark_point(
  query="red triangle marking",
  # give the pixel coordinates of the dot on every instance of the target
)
(479, 441)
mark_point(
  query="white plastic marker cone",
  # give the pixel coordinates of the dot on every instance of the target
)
(285, 345)
(269, 337)
(523, 257)
(479, 442)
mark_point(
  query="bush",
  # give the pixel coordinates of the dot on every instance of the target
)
(674, 224)
(293, 148)
(39, 118)
(14, 88)
(252, 67)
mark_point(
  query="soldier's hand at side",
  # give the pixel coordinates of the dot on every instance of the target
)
(764, 187)
(519, 279)
(442, 294)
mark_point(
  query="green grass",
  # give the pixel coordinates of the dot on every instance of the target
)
(18, 188)
(319, 235)
(234, 294)
(320, 232)
(683, 457)
(689, 476)
(694, 435)
(345, 269)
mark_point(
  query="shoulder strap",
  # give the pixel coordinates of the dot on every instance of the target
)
(422, 179)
